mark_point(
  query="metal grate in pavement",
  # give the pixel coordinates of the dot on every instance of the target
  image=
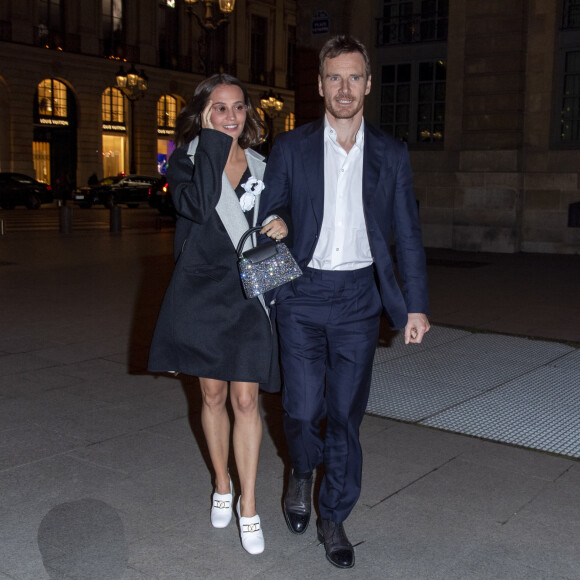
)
(490, 347)
(411, 399)
(571, 360)
(540, 410)
(502, 388)
(478, 361)
(456, 369)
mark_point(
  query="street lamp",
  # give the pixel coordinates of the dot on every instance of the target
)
(271, 104)
(273, 107)
(209, 24)
(208, 21)
(133, 85)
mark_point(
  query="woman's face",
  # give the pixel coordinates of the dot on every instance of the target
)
(228, 110)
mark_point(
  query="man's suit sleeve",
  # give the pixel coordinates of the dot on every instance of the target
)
(408, 239)
(277, 181)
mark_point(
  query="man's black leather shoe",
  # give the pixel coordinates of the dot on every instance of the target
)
(339, 550)
(297, 504)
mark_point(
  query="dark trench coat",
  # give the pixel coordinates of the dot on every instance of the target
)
(206, 326)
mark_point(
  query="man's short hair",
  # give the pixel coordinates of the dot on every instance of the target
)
(343, 44)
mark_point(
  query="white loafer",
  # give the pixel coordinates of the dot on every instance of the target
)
(251, 532)
(222, 508)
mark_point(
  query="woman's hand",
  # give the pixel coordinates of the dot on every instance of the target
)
(276, 229)
(206, 116)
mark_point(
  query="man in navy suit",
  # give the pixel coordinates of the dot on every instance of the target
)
(349, 189)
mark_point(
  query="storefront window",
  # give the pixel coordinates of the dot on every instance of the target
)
(166, 117)
(115, 150)
(114, 154)
(41, 160)
(54, 136)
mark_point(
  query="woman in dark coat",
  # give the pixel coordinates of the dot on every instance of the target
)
(206, 327)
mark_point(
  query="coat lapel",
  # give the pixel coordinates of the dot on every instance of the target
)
(313, 178)
(374, 163)
(231, 214)
(257, 167)
(228, 206)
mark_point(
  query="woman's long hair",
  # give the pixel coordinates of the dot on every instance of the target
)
(188, 124)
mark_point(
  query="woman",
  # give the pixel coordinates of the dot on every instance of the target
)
(206, 327)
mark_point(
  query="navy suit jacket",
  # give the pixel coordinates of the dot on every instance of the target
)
(295, 178)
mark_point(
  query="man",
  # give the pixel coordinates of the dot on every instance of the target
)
(348, 187)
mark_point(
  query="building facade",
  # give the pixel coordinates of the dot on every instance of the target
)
(63, 113)
(487, 96)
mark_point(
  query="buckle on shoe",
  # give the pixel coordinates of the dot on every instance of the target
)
(222, 504)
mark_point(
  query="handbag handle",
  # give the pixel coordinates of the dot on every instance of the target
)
(245, 236)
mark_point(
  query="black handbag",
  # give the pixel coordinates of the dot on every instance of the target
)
(266, 266)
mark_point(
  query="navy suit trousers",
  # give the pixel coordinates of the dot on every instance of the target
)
(328, 325)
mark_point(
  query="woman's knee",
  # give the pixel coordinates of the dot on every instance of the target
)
(245, 399)
(214, 393)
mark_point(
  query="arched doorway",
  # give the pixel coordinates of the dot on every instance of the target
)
(54, 145)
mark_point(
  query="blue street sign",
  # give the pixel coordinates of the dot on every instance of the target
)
(320, 22)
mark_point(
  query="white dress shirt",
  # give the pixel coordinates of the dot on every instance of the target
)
(343, 243)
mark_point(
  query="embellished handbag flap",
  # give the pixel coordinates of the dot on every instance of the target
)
(261, 253)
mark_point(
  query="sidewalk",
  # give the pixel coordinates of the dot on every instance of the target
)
(104, 474)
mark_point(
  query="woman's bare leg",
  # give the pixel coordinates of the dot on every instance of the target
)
(247, 440)
(216, 428)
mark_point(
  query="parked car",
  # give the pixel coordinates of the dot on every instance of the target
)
(87, 196)
(19, 189)
(130, 190)
(161, 199)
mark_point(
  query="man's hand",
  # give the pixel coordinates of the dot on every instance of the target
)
(417, 326)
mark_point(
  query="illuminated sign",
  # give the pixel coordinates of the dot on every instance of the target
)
(109, 127)
(161, 131)
(51, 121)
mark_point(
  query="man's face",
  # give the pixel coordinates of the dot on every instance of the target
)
(344, 85)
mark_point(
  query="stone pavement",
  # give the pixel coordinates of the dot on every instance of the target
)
(104, 474)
